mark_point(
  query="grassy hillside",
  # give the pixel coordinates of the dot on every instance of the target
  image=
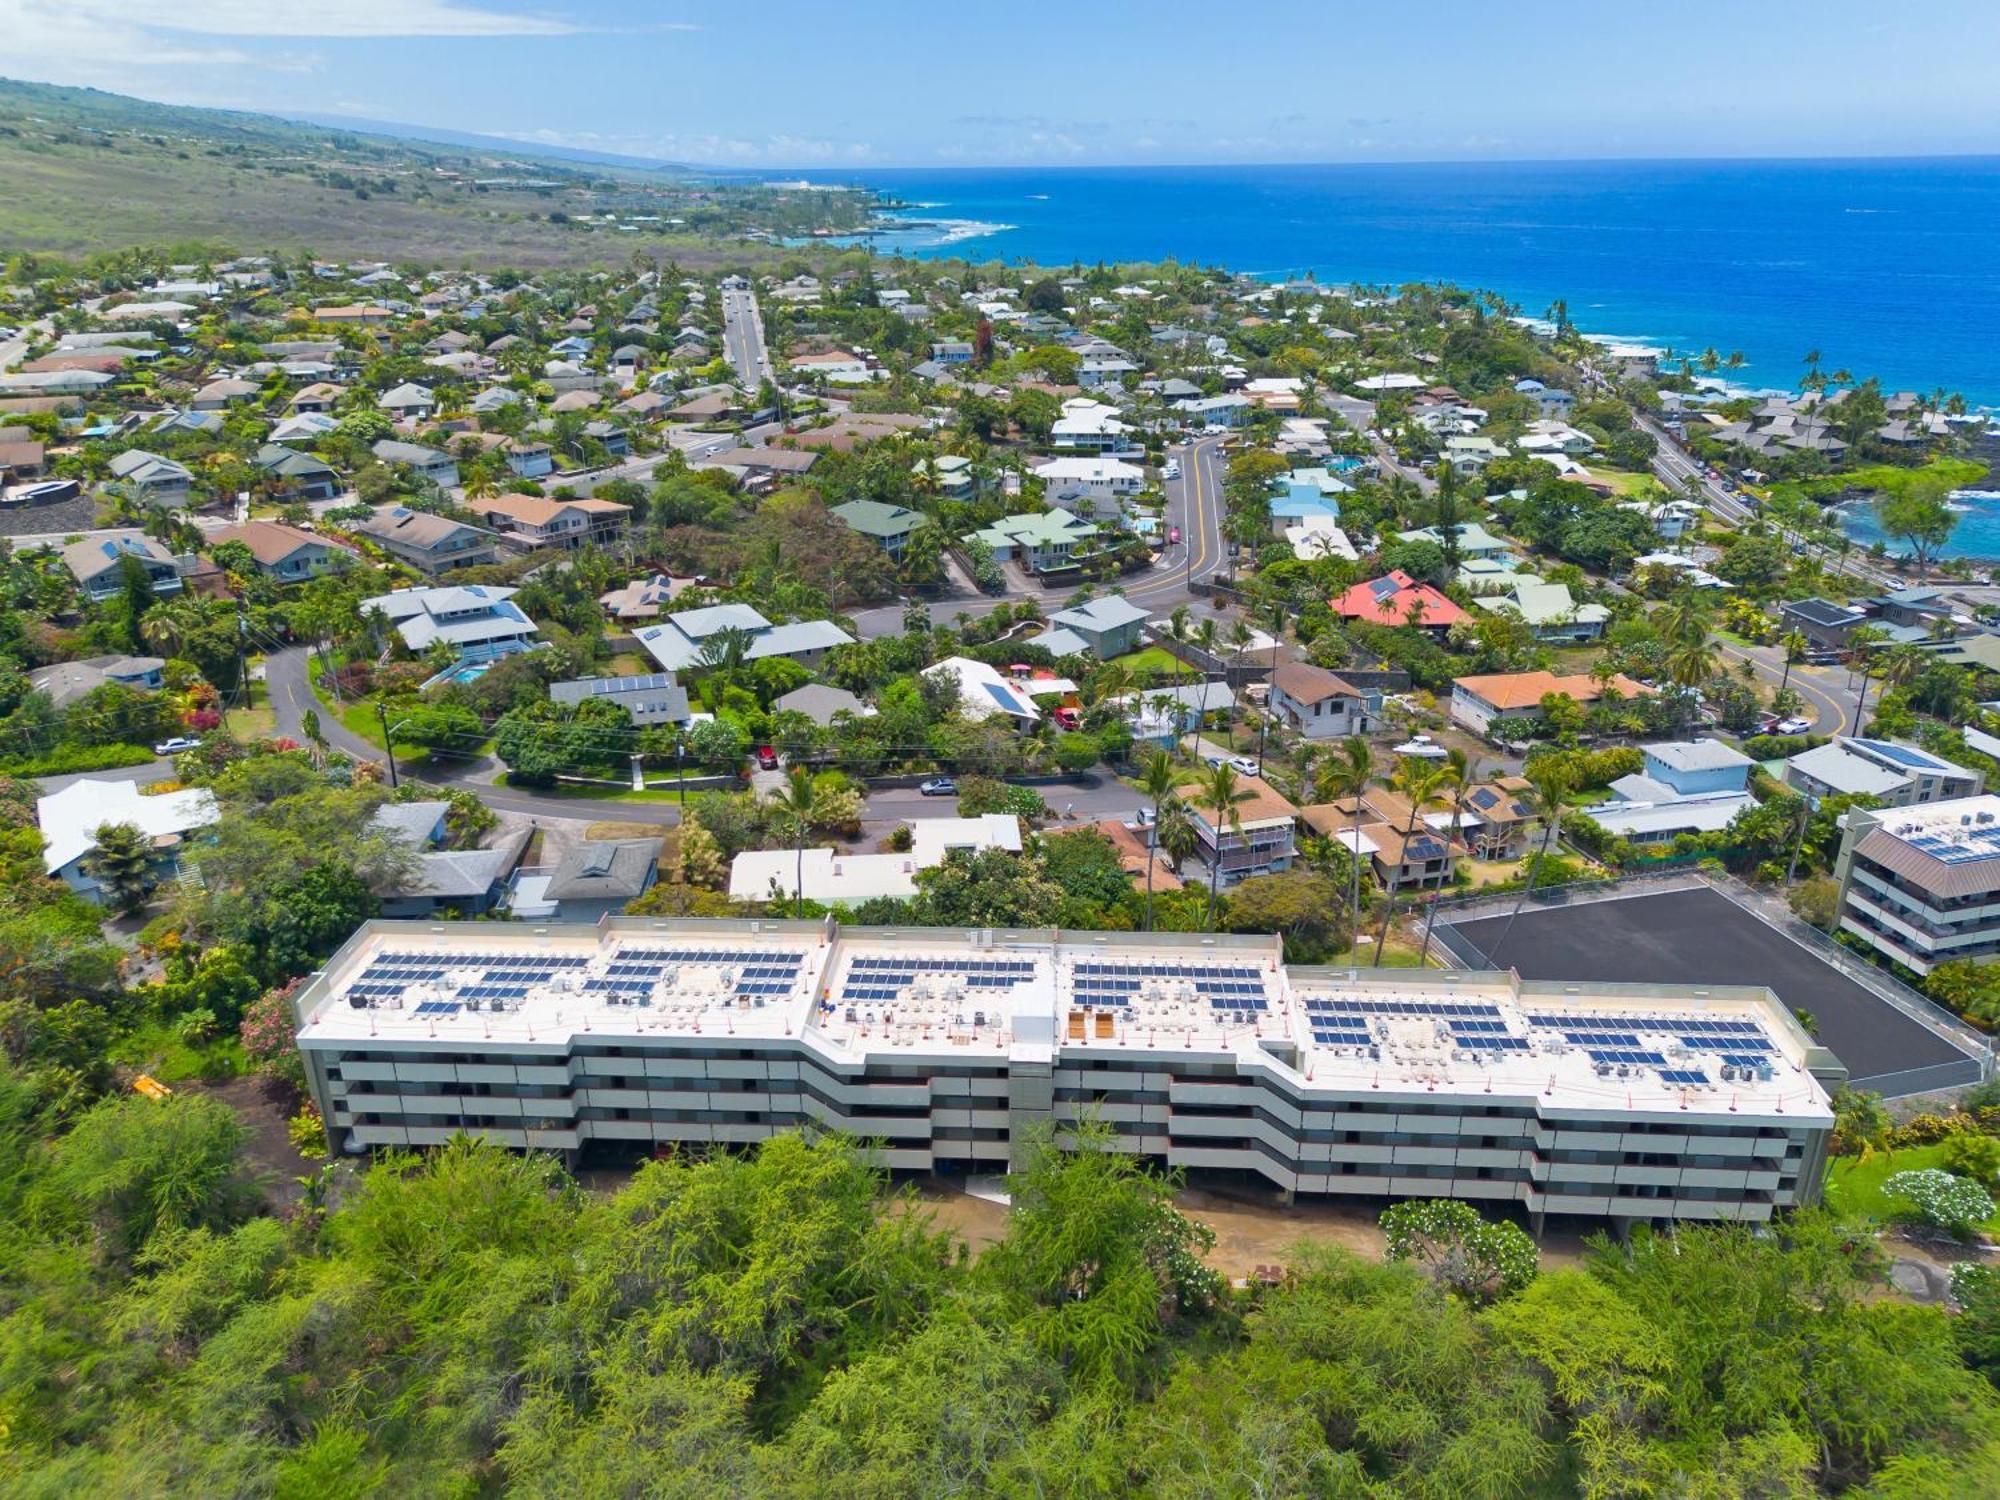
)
(87, 171)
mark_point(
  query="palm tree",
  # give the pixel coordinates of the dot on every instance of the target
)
(1350, 773)
(1862, 641)
(1157, 781)
(1795, 645)
(798, 803)
(1175, 833)
(1419, 781)
(1218, 794)
(1547, 801)
(1455, 781)
(310, 727)
(1689, 665)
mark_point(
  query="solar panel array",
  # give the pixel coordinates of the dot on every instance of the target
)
(1627, 1055)
(1442, 1009)
(1957, 846)
(1685, 1076)
(502, 976)
(1231, 988)
(878, 979)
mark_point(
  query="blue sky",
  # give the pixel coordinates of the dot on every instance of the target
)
(895, 83)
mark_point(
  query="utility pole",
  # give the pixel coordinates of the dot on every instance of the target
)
(388, 742)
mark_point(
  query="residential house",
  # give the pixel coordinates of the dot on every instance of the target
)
(151, 478)
(1045, 542)
(1687, 787)
(285, 552)
(1828, 627)
(679, 640)
(218, 395)
(1498, 819)
(1090, 425)
(1896, 775)
(1099, 485)
(1226, 410)
(307, 427)
(1403, 851)
(531, 521)
(985, 692)
(1319, 705)
(296, 476)
(320, 398)
(1692, 767)
(1257, 836)
(651, 699)
(888, 526)
(431, 465)
(1106, 627)
(408, 400)
(469, 882)
(594, 879)
(68, 682)
(615, 440)
(1398, 599)
(955, 475)
(98, 564)
(1480, 702)
(429, 543)
(21, 457)
(835, 366)
(821, 703)
(836, 877)
(478, 621)
(70, 819)
(952, 352)
(529, 458)
(1161, 717)
(1475, 542)
(643, 598)
(1547, 609)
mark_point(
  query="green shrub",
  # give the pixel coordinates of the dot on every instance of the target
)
(66, 760)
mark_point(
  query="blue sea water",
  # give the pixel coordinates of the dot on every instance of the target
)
(1977, 533)
(1888, 267)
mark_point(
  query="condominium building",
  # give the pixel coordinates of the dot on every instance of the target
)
(1201, 1051)
(1921, 885)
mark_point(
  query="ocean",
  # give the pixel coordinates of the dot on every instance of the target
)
(1887, 267)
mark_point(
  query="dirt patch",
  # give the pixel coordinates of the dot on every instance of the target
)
(611, 829)
(1247, 1234)
(264, 1108)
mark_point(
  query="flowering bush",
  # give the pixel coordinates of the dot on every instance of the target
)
(1927, 1130)
(269, 1035)
(1462, 1251)
(1951, 1203)
(201, 719)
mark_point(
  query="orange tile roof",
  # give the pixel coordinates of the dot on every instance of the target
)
(1505, 690)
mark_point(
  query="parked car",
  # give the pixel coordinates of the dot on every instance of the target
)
(938, 786)
(1148, 816)
(1172, 469)
(767, 757)
(1069, 718)
(176, 745)
(1174, 535)
(1244, 765)
(1793, 726)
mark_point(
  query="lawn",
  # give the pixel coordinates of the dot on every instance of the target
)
(1854, 1186)
(1160, 663)
(155, 1049)
(1628, 486)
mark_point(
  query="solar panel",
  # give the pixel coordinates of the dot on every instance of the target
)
(1621, 1055)
(1683, 1075)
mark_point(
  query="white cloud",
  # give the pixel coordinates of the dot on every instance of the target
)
(336, 18)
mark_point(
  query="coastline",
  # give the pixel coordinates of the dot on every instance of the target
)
(1773, 257)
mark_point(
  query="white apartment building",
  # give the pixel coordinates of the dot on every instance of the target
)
(1615, 1102)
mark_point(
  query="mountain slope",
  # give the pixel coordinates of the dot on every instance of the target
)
(85, 171)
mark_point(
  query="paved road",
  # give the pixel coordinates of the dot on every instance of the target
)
(1829, 700)
(150, 771)
(743, 338)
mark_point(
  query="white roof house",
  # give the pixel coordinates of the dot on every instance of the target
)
(984, 691)
(470, 617)
(676, 643)
(71, 817)
(832, 875)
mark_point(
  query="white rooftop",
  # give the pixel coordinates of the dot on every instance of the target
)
(71, 817)
(940, 993)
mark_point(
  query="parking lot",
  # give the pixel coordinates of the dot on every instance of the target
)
(1698, 937)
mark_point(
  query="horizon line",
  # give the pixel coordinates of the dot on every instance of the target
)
(846, 170)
